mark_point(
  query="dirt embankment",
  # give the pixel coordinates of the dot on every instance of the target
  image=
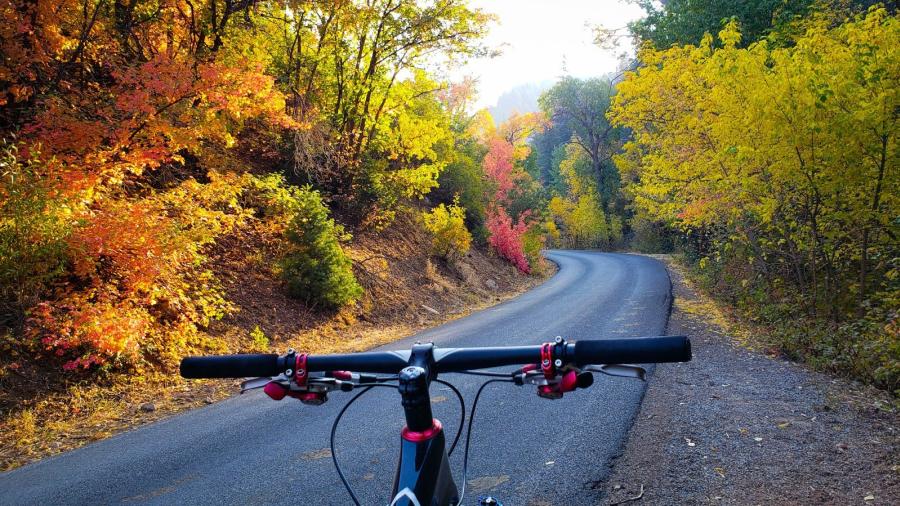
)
(406, 290)
(737, 426)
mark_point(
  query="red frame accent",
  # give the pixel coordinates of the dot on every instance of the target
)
(547, 366)
(300, 365)
(418, 437)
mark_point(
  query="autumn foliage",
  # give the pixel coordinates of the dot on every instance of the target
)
(138, 135)
(507, 237)
(449, 237)
(778, 167)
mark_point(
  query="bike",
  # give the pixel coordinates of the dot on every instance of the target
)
(423, 474)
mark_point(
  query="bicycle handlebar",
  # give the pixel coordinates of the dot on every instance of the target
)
(604, 351)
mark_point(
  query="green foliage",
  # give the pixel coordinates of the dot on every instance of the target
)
(579, 216)
(354, 72)
(548, 150)
(315, 268)
(272, 197)
(580, 105)
(464, 180)
(527, 198)
(532, 243)
(33, 232)
(679, 22)
(449, 236)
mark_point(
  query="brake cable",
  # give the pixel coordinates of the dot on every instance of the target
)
(462, 420)
(462, 413)
(337, 419)
(469, 434)
(337, 466)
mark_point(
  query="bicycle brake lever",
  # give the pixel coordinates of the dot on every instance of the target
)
(619, 370)
(255, 383)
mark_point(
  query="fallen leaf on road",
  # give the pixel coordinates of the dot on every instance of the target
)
(486, 483)
(324, 453)
(784, 425)
(869, 497)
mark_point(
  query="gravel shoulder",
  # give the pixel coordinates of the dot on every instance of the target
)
(736, 426)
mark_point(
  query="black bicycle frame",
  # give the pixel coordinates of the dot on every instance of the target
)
(423, 474)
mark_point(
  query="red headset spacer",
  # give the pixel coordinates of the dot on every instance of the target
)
(547, 366)
(301, 372)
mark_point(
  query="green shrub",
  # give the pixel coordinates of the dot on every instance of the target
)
(532, 244)
(315, 268)
(464, 179)
(271, 196)
(449, 236)
(33, 233)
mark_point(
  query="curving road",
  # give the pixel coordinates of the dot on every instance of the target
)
(525, 450)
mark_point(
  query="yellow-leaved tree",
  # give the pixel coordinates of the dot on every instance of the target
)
(779, 164)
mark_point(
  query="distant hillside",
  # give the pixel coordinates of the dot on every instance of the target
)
(521, 99)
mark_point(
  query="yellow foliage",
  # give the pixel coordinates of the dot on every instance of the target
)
(447, 226)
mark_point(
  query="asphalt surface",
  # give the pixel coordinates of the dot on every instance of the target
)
(525, 450)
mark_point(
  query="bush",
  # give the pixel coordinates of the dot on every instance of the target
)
(583, 220)
(553, 236)
(258, 340)
(650, 236)
(506, 237)
(137, 288)
(315, 268)
(32, 234)
(449, 236)
(463, 179)
(532, 244)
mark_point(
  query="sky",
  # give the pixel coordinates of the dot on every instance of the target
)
(542, 40)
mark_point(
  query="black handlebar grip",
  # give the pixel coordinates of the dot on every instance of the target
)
(230, 366)
(643, 350)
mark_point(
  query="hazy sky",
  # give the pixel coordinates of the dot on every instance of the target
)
(541, 38)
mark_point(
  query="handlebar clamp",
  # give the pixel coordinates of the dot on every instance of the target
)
(552, 376)
(298, 383)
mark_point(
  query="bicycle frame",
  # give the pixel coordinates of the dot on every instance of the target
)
(423, 473)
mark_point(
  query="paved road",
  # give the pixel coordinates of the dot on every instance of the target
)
(530, 451)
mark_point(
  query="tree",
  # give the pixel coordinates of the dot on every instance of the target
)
(345, 65)
(775, 159)
(679, 22)
(581, 106)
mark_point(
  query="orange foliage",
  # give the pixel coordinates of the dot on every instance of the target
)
(105, 95)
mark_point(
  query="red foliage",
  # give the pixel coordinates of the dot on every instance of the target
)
(506, 237)
(498, 166)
